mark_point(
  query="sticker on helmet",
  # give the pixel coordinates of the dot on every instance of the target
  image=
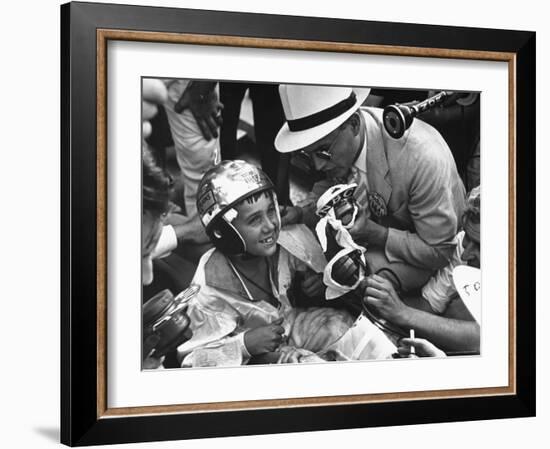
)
(206, 201)
(230, 215)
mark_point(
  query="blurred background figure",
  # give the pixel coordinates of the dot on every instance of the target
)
(263, 117)
(159, 238)
(156, 194)
(182, 239)
(153, 94)
(193, 111)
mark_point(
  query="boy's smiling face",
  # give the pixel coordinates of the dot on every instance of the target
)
(259, 225)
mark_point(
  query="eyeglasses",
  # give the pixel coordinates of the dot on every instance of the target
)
(323, 153)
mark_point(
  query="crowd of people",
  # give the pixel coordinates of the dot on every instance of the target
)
(260, 266)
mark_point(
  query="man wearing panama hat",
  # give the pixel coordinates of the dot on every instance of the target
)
(409, 190)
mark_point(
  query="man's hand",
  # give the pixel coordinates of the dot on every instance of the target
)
(366, 230)
(265, 338)
(312, 285)
(423, 348)
(201, 98)
(291, 215)
(381, 296)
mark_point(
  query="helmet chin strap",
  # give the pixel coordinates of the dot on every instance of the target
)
(277, 209)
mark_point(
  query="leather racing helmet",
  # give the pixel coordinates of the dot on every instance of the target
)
(221, 188)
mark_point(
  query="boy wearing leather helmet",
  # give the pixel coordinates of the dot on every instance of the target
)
(244, 311)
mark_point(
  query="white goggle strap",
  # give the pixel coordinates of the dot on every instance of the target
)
(229, 216)
(277, 209)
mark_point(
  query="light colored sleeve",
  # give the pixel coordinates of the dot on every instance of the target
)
(244, 350)
(167, 243)
(409, 247)
(434, 211)
(440, 289)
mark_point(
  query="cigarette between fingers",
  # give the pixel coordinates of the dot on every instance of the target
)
(411, 336)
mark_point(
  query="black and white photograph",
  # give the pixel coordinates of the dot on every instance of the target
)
(299, 244)
(305, 223)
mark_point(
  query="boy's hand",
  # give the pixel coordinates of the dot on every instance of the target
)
(381, 296)
(312, 285)
(265, 338)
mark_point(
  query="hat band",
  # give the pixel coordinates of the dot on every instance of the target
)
(310, 121)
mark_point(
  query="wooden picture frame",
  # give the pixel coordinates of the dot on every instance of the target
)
(86, 30)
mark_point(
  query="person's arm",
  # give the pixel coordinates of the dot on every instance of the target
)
(440, 289)
(423, 348)
(178, 229)
(203, 101)
(186, 229)
(449, 333)
(167, 242)
(409, 247)
(434, 208)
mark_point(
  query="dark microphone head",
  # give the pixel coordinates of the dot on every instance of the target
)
(397, 119)
(347, 269)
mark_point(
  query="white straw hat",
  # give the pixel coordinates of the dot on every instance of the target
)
(312, 112)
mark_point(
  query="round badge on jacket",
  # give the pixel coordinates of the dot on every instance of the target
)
(377, 205)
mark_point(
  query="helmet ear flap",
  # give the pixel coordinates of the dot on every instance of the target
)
(226, 237)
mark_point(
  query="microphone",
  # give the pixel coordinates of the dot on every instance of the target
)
(340, 200)
(399, 117)
(346, 269)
